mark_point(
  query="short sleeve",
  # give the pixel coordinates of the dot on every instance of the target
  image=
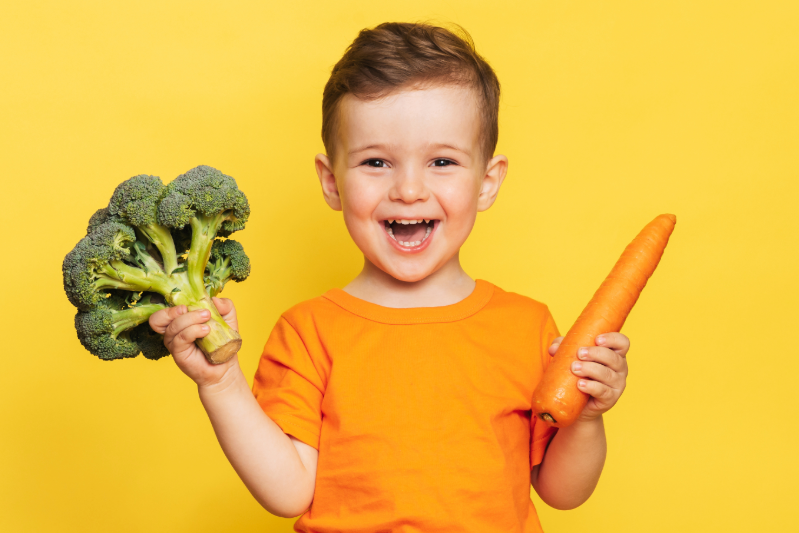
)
(540, 432)
(288, 386)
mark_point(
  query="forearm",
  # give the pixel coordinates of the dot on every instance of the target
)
(263, 456)
(572, 465)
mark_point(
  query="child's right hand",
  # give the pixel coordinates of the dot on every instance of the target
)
(181, 327)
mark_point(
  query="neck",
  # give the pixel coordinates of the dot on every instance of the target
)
(446, 286)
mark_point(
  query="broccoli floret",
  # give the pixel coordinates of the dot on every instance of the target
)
(157, 239)
(204, 193)
(89, 268)
(228, 261)
(99, 217)
(104, 329)
(149, 342)
(135, 201)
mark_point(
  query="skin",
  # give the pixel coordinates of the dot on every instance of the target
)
(413, 154)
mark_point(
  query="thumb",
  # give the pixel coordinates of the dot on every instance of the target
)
(227, 310)
(160, 320)
(554, 346)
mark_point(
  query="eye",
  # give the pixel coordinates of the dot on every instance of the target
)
(375, 163)
(443, 162)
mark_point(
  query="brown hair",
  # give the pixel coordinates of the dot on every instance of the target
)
(395, 55)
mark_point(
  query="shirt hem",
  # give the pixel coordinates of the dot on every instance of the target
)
(290, 427)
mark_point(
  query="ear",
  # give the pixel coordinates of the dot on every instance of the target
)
(327, 180)
(496, 168)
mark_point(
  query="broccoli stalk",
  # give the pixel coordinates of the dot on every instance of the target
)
(131, 246)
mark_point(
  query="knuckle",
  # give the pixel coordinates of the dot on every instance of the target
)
(605, 393)
(597, 389)
(185, 336)
(172, 329)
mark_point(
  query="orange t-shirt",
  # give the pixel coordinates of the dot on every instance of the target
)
(421, 416)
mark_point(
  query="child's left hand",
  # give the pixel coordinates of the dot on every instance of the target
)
(603, 372)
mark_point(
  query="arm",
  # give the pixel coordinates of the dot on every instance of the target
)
(572, 465)
(269, 462)
(576, 454)
(278, 470)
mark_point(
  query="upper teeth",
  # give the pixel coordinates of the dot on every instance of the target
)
(408, 221)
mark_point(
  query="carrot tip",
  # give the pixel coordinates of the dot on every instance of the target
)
(671, 217)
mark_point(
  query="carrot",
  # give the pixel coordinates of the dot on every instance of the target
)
(557, 400)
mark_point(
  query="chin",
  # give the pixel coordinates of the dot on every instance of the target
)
(408, 275)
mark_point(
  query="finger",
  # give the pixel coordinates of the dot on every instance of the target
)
(160, 320)
(190, 334)
(597, 372)
(555, 344)
(224, 306)
(199, 316)
(604, 356)
(604, 394)
(615, 341)
(228, 311)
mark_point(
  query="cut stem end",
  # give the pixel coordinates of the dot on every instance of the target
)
(224, 353)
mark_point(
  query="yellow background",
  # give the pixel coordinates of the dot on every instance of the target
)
(612, 112)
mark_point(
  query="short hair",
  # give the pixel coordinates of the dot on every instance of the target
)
(396, 55)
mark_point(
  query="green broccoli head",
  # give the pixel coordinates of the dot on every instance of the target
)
(106, 332)
(231, 252)
(149, 342)
(228, 261)
(135, 200)
(156, 239)
(101, 216)
(204, 191)
(86, 267)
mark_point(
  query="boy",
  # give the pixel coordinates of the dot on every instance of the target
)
(402, 402)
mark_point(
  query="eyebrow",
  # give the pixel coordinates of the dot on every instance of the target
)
(364, 148)
(452, 147)
(431, 145)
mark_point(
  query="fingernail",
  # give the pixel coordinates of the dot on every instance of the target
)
(600, 339)
(581, 383)
(576, 366)
(205, 313)
(204, 327)
(582, 353)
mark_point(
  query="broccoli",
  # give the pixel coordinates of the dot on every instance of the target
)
(156, 246)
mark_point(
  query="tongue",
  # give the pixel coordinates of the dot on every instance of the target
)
(409, 232)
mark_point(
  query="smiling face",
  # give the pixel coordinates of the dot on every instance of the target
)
(410, 178)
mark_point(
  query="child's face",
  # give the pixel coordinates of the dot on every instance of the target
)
(412, 156)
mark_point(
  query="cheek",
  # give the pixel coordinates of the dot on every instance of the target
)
(356, 197)
(359, 201)
(459, 202)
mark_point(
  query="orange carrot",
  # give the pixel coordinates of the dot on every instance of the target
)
(557, 400)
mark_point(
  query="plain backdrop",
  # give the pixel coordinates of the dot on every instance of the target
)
(612, 113)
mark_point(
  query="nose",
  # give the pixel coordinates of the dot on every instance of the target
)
(409, 187)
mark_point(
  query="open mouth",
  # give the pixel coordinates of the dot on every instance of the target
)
(409, 233)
